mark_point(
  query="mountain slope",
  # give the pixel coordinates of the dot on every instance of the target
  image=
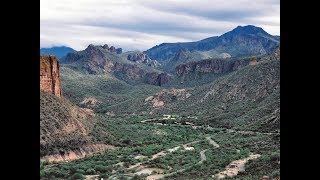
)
(248, 98)
(59, 52)
(102, 92)
(241, 41)
(104, 60)
(63, 127)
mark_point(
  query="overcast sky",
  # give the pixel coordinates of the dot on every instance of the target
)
(141, 24)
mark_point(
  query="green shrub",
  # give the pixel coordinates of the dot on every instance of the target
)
(77, 176)
(90, 171)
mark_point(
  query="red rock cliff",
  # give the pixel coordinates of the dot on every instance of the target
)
(50, 75)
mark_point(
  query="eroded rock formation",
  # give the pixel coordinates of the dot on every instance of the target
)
(216, 66)
(50, 75)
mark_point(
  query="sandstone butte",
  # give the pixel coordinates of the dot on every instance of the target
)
(50, 75)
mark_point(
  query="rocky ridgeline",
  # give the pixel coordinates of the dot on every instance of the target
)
(102, 59)
(216, 66)
(138, 57)
(50, 75)
(111, 48)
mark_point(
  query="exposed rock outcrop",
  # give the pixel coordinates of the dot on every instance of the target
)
(90, 101)
(216, 66)
(157, 79)
(224, 55)
(167, 95)
(50, 75)
(138, 57)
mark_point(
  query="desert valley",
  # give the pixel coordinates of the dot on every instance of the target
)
(208, 109)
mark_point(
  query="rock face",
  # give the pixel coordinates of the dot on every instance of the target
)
(157, 79)
(111, 49)
(138, 57)
(216, 66)
(50, 75)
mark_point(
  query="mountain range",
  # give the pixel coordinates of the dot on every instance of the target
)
(241, 41)
(58, 51)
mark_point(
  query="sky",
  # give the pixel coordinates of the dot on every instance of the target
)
(142, 24)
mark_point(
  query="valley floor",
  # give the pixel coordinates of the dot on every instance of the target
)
(149, 148)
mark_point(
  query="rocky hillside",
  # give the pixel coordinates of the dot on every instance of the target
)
(105, 60)
(49, 75)
(140, 57)
(61, 129)
(247, 98)
(64, 128)
(215, 66)
(206, 70)
(241, 41)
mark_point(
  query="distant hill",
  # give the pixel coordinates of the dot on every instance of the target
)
(241, 41)
(59, 52)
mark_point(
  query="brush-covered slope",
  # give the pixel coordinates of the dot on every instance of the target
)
(241, 41)
(248, 98)
(102, 92)
(63, 126)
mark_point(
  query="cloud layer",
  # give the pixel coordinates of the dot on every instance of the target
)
(141, 24)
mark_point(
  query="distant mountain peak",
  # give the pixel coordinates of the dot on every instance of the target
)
(248, 29)
(58, 51)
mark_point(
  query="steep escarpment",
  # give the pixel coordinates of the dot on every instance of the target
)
(216, 66)
(133, 68)
(50, 75)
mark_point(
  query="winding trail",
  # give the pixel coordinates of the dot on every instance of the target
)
(185, 146)
(212, 142)
(202, 156)
(235, 167)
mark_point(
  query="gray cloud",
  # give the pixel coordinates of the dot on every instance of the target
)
(141, 24)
